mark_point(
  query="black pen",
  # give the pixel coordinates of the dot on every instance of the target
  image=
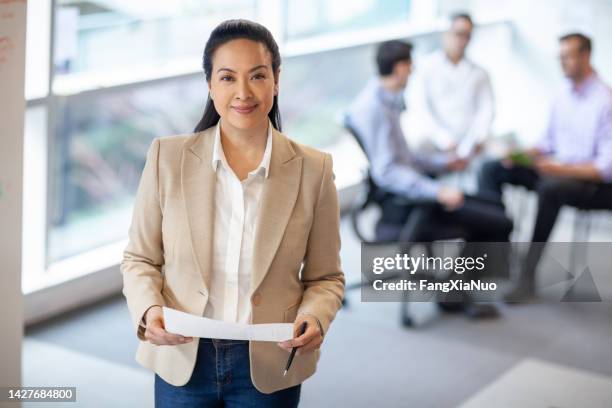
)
(294, 349)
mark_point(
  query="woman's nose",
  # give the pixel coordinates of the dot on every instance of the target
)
(244, 90)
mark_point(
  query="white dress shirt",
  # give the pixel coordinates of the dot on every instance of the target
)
(236, 209)
(454, 101)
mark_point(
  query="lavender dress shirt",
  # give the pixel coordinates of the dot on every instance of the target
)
(580, 126)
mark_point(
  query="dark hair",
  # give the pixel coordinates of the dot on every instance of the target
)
(585, 42)
(390, 53)
(232, 30)
(462, 16)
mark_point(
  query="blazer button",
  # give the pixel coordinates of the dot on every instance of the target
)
(257, 299)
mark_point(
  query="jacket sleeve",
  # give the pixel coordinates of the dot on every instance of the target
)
(322, 275)
(143, 257)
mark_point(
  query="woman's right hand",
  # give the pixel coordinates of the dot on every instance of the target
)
(155, 332)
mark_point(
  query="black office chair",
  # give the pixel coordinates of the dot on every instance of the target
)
(408, 232)
(375, 195)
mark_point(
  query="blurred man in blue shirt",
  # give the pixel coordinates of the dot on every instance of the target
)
(571, 164)
(376, 115)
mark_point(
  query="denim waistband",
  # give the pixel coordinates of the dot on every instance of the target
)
(222, 341)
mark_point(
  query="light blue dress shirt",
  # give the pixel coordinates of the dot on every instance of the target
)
(375, 115)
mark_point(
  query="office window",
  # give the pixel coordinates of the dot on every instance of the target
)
(34, 191)
(100, 136)
(317, 88)
(316, 17)
(37, 50)
(99, 152)
(117, 35)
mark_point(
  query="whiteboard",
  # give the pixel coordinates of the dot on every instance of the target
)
(12, 108)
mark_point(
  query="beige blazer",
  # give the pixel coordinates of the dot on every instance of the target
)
(296, 264)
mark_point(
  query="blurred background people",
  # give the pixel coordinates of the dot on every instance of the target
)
(453, 95)
(375, 117)
(375, 114)
(572, 163)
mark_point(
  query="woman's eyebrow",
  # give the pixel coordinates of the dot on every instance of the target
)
(250, 70)
(257, 67)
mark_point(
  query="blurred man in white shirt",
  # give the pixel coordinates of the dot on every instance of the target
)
(453, 98)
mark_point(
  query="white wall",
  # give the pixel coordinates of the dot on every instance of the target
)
(12, 105)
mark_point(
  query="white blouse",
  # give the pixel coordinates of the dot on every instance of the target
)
(455, 101)
(236, 212)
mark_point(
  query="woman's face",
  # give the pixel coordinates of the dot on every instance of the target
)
(242, 83)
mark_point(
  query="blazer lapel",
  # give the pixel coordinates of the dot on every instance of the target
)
(278, 199)
(198, 186)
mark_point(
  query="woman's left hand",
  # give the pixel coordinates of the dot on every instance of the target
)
(308, 342)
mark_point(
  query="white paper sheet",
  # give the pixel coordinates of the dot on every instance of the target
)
(190, 325)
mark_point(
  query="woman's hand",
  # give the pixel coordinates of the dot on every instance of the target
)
(308, 342)
(155, 332)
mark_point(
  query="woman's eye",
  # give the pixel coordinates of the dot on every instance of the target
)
(259, 76)
(226, 78)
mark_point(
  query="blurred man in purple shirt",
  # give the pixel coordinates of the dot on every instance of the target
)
(572, 164)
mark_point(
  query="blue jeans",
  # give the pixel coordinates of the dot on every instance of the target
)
(222, 378)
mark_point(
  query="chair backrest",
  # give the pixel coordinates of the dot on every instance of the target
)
(375, 194)
(348, 125)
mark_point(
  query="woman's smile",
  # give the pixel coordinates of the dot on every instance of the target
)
(245, 109)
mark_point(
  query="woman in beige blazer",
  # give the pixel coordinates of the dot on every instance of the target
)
(234, 222)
